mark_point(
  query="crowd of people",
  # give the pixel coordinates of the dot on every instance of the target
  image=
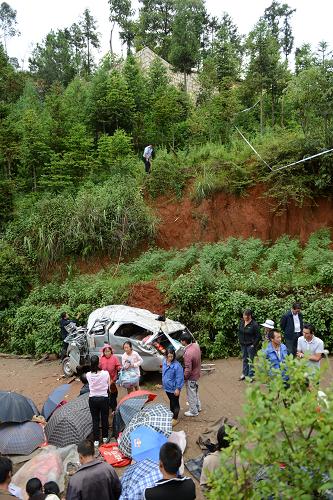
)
(100, 381)
(97, 479)
(299, 340)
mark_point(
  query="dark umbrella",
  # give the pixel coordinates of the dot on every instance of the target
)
(16, 408)
(129, 406)
(20, 439)
(71, 423)
(54, 399)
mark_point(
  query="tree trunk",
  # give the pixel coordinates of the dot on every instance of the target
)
(88, 55)
(111, 35)
(185, 81)
(34, 176)
(261, 113)
(282, 111)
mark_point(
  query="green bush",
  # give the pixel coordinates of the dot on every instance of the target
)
(35, 329)
(15, 275)
(110, 218)
(282, 448)
(167, 175)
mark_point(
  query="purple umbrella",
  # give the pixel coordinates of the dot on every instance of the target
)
(54, 399)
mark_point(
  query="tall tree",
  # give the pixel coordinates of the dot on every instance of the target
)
(155, 25)
(137, 85)
(278, 17)
(77, 42)
(304, 58)
(323, 52)
(53, 60)
(227, 50)
(7, 22)
(187, 28)
(90, 37)
(266, 73)
(121, 13)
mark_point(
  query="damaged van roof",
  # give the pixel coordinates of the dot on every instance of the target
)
(127, 314)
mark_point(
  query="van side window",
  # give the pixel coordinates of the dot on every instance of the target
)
(129, 330)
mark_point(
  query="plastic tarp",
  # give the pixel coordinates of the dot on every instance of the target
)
(48, 465)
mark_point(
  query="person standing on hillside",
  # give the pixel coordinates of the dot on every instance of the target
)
(292, 326)
(147, 157)
(192, 368)
(249, 338)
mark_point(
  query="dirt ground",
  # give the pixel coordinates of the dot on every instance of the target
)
(221, 393)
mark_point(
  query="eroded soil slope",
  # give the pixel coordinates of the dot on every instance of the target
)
(182, 222)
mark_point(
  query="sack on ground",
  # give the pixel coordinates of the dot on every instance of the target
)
(113, 456)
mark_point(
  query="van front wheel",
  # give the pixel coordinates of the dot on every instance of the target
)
(66, 367)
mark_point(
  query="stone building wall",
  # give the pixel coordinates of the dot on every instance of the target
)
(146, 56)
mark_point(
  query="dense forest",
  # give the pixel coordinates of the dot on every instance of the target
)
(72, 133)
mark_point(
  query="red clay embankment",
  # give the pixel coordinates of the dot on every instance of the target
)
(182, 222)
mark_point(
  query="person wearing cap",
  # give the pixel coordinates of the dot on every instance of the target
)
(268, 327)
(110, 363)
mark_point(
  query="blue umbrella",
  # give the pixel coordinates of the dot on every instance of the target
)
(15, 407)
(20, 439)
(146, 443)
(54, 399)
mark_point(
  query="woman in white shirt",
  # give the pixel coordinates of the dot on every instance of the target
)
(131, 360)
(99, 385)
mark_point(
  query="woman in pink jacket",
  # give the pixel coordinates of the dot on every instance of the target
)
(110, 362)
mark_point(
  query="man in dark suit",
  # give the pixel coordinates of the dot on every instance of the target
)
(292, 325)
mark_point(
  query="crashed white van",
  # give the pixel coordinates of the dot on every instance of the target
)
(149, 333)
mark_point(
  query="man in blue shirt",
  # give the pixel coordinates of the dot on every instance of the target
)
(276, 352)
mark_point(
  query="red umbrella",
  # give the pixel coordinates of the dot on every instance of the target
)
(128, 407)
(150, 396)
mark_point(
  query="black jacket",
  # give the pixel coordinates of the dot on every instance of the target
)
(287, 324)
(179, 488)
(249, 334)
(63, 323)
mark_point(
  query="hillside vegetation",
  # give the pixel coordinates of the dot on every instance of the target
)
(205, 286)
(72, 181)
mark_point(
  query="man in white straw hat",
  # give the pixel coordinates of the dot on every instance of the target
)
(268, 327)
